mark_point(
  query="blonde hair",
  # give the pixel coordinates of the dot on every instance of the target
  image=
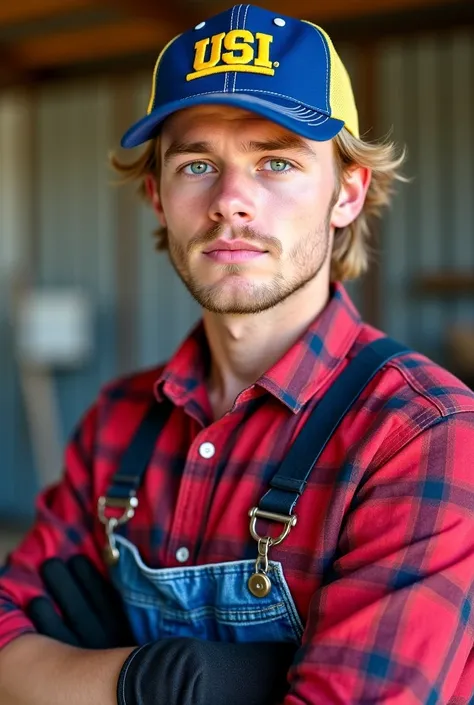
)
(351, 250)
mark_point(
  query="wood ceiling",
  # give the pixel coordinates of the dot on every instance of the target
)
(46, 38)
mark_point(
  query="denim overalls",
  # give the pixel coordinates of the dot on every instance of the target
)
(237, 601)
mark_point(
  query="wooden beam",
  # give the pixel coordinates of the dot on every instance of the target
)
(335, 10)
(92, 44)
(30, 10)
(446, 283)
(179, 13)
(12, 71)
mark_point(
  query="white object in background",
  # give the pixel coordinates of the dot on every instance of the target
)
(54, 328)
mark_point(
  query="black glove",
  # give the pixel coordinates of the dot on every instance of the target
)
(175, 670)
(180, 671)
(92, 615)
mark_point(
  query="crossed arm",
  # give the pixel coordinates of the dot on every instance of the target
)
(392, 624)
(84, 652)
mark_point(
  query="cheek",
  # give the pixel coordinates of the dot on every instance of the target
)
(182, 205)
(302, 202)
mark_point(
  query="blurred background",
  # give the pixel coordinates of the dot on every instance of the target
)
(83, 295)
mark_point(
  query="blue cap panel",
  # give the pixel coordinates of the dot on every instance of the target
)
(295, 53)
(178, 61)
(302, 57)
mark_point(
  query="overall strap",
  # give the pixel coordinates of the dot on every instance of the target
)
(288, 483)
(122, 493)
(138, 453)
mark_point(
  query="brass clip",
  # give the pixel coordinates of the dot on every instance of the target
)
(259, 583)
(288, 521)
(128, 504)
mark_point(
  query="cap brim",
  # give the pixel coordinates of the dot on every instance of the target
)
(303, 121)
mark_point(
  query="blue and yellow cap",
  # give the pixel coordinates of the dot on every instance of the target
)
(284, 69)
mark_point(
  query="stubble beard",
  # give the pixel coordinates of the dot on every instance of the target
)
(304, 263)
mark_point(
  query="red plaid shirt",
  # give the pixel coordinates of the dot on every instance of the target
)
(381, 562)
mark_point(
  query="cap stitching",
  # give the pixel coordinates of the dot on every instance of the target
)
(243, 27)
(281, 95)
(314, 117)
(282, 110)
(241, 7)
(315, 122)
(309, 119)
(226, 75)
(323, 41)
(298, 109)
(257, 90)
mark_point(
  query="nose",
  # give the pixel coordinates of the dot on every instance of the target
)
(233, 201)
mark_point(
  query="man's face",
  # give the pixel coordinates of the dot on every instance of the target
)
(247, 205)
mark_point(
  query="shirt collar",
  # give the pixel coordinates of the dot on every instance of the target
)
(187, 370)
(307, 366)
(303, 370)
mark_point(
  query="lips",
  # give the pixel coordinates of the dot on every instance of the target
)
(233, 246)
(233, 251)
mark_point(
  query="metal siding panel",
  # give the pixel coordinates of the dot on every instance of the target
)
(430, 225)
(105, 284)
(394, 237)
(462, 166)
(76, 224)
(429, 188)
(16, 470)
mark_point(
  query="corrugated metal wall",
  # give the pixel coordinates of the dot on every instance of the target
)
(16, 474)
(86, 233)
(426, 90)
(75, 222)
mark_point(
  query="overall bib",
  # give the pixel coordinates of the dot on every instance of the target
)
(238, 601)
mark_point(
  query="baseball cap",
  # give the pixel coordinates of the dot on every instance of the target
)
(284, 69)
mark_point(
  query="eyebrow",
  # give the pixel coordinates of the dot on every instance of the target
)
(177, 148)
(285, 142)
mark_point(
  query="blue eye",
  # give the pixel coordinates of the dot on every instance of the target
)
(196, 168)
(278, 165)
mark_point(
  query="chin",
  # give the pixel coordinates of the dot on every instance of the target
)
(238, 297)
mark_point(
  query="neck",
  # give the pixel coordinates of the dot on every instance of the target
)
(244, 347)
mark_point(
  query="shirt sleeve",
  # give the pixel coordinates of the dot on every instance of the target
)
(62, 528)
(393, 622)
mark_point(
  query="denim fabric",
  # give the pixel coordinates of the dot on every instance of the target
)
(208, 602)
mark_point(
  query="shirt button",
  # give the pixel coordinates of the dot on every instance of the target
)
(182, 554)
(207, 450)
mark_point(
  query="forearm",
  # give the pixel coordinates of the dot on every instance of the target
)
(35, 670)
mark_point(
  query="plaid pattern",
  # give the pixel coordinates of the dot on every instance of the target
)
(381, 562)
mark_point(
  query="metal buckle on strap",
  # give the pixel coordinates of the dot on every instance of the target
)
(259, 583)
(128, 505)
(288, 521)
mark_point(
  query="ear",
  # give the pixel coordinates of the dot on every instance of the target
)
(151, 187)
(351, 196)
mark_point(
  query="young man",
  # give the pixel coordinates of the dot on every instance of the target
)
(262, 189)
